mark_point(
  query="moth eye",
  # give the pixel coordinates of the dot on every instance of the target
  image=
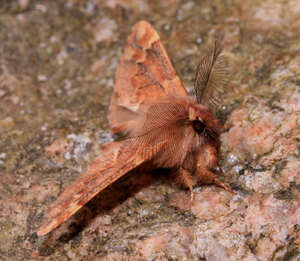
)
(198, 126)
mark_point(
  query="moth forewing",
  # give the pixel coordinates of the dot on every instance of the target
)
(103, 171)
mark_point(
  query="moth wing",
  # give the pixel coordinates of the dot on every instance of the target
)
(103, 171)
(119, 115)
(144, 75)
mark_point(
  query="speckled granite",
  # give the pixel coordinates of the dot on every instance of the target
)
(57, 63)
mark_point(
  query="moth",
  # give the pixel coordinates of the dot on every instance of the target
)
(163, 127)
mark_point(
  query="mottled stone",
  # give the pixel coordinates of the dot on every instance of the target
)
(57, 64)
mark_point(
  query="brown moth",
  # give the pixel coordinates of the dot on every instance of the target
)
(164, 128)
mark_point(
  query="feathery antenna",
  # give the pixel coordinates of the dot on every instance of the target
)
(211, 78)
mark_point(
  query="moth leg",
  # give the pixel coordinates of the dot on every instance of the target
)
(219, 166)
(221, 184)
(205, 176)
(184, 178)
(220, 154)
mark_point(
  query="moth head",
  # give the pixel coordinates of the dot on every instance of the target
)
(205, 125)
(211, 80)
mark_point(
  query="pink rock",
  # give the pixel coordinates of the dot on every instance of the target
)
(265, 249)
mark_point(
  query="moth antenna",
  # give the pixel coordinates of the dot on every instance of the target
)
(226, 127)
(212, 76)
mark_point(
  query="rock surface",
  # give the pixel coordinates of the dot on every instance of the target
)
(57, 64)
